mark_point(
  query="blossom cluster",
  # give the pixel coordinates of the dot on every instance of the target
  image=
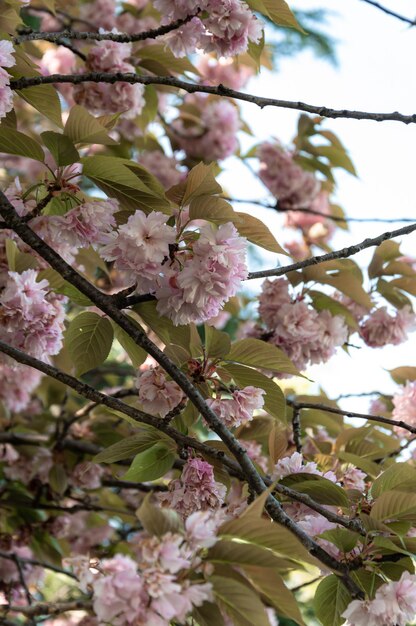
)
(304, 334)
(394, 604)
(238, 410)
(105, 99)
(6, 60)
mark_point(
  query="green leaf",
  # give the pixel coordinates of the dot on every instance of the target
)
(337, 157)
(136, 354)
(88, 339)
(151, 463)
(45, 99)
(61, 147)
(369, 467)
(323, 302)
(73, 294)
(258, 233)
(274, 399)
(163, 327)
(345, 540)
(393, 505)
(200, 182)
(270, 584)
(239, 602)
(115, 177)
(331, 600)
(161, 61)
(258, 353)
(82, 127)
(238, 553)
(255, 51)
(319, 488)
(149, 111)
(207, 615)
(145, 438)
(58, 479)
(15, 142)
(217, 343)
(277, 10)
(393, 477)
(157, 521)
(213, 209)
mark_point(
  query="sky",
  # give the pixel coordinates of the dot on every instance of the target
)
(376, 72)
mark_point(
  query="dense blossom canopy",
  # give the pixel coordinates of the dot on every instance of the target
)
(165, 457)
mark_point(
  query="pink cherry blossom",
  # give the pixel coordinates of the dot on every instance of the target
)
(26, 468)
(87, 475)
(360, 613)
(224, 71)
(195, 490)
(239, 408)
(101, 13)
(404, 409)
(274, 293)
(215, 138)
(231, 25)
(381, 328)
(6, 60)
(157, 394)
(167, 553)
(163, 167)
(354, 478)
(17, 383)
(8, 569)
(200, 529)
(293, 465)
(254, 451)
(87, 224)
(139, 248)
(210, 276)
(186, 39)
(32, 318)
(8, 454)
(287, 181)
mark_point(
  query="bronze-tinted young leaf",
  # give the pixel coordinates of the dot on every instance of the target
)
(82, 127)
(238, 553)
(213, 209)
(14, 142)
(151, 463)
(271, 585)
(217, 343)
(258, 233)
(61, 147)
(200, 182)
(88, 338)
(260, 354)
(156, 520)
(45, 99)
(160, 57)
(239, 602)
(401, 375)
(331, 600)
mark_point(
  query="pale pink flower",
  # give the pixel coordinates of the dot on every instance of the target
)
(195, 490)
(298, 250)
(360, 613)
(293, 465)
(354, 478)
(87, 475)
(377, 407)
(128, 23)
(186, 39)
(8, 454)
(173, 10)
(287, 181)
(6, 53)
(211, 276)
(231, 25)
(14, 194)
(106, 99)
(167, 553)
(220, 320)
(200, 529)
(163, 167)
(87, 224)
(48, 228)
(333, 333)
(157, 394)
(274, 293)
(59, 60)
(25, 468)
(255, 453)
(139, 248)
(8, 569)
(108, 56)
(83, 531)
(381, 328)
(215, 137)
(240, 408)
(224, 71)
(32, 317)
(17, 382)
(404, 409)
(81, 567)
(101, 13)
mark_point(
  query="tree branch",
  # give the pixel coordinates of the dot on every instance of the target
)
(390, 12)
(46, 608)
(336, 254)
(53, 568)
(54, 37)
(370, 418)
(219, 90)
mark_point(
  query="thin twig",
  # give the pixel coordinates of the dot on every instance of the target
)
(46, 608)
(218, 90)
(390, 12)
(53, 568)
(297, 433)
(17, 561)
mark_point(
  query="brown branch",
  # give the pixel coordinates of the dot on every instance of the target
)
(218, 90)
(370, 418)
(297, 433)
(336, 254)
(390, 12)
(54, 37)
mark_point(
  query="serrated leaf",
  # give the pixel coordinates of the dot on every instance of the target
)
(331, 600)
(274, 399)
(271, 585)
(200, 182)
(277, 10)
(213, 209)
(393, 477)
(82, 127)
(88, 338)
(319, 488)
(260, 354)
(345, 540)
(15, 142)
(239, 602)
(61, 147)
(258, 233)
(145, 438)
(157, 521)
(136, 354)
(45, 99)
(237, 553)
(217, 343)
(392, 505)
(151, 463)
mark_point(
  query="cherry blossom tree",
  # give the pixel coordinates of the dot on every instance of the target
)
(159, 461)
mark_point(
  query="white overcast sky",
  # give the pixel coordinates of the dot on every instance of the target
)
(376, 72)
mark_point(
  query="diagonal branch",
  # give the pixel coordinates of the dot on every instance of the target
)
(23, 560)
(218, 90)
(336, 254)
(46, 608)
(390, 12)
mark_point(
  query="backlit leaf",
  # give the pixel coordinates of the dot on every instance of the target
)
(88, 338)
